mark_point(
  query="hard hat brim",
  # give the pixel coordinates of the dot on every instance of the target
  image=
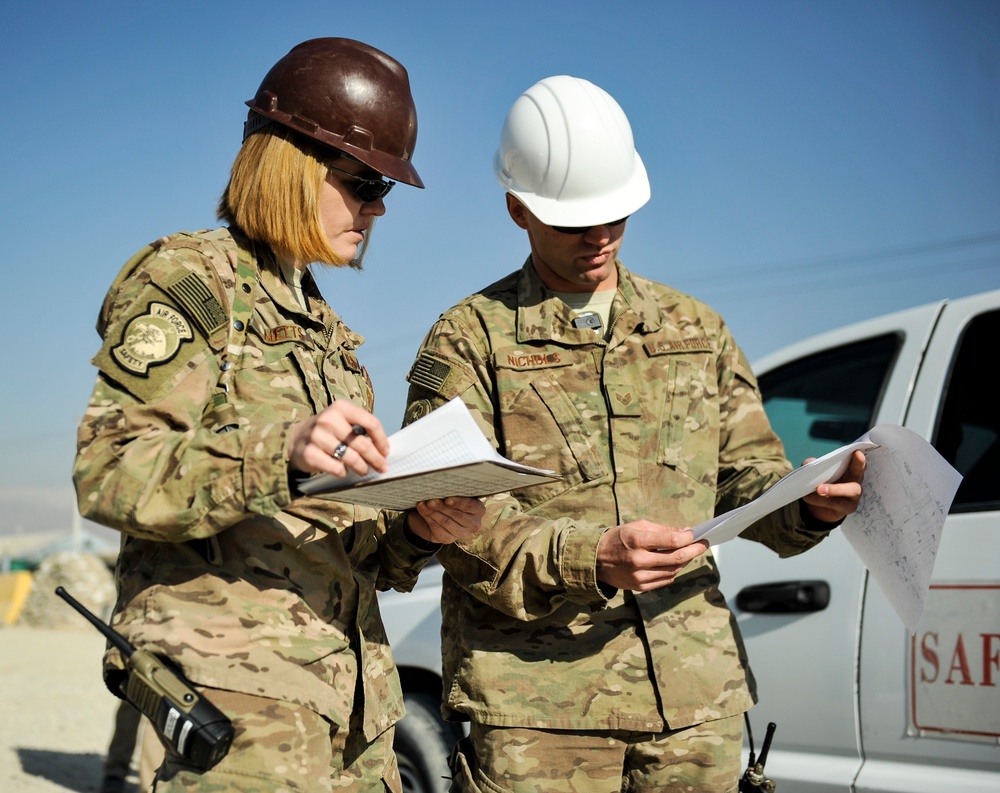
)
(586, 211)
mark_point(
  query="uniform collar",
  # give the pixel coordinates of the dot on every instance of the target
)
(273, 283)
(280, 293)
(543, 316)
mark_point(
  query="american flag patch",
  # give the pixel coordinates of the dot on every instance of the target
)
(429, 372)
(192, 293)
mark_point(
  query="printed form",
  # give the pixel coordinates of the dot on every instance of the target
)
(441, 454)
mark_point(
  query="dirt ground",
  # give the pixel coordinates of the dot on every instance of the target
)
(56, 716)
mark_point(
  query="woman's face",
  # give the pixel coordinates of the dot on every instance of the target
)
(345, 217)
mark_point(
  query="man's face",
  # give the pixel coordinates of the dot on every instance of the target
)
(583, 262)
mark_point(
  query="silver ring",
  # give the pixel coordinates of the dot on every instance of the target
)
(340, 451)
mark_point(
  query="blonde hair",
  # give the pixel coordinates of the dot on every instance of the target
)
(273, 196)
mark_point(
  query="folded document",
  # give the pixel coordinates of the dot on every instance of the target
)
(442, 454)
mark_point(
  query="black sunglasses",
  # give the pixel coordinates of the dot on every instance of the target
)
(367, 190)
(585, 229)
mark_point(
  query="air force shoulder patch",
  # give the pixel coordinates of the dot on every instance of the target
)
(152, 338)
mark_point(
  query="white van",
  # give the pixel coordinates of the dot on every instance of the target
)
(859, 703)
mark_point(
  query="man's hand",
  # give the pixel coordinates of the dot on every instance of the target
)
(446, 520)
(641, 556)
(833, 502)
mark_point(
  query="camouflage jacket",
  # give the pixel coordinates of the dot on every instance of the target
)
(663, 421)
(222, 569)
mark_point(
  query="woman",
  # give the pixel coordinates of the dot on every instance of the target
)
(223, 378)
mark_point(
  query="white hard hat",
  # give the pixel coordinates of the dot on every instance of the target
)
(567, 153)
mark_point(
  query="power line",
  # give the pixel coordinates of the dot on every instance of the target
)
(826, 281)
(805, 266)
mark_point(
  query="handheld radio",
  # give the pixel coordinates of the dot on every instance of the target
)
(188, 724)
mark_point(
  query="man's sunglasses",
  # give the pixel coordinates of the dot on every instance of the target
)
(585, 229)
(367, 190)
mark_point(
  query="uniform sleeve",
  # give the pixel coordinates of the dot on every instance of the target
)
(146, 464)
(520, 564)
(402, 554)
(752, 458)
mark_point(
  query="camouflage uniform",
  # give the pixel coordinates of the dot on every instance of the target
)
(664, 422)
(247, 588)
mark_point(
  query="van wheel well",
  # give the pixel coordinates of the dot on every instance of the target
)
(423, 740)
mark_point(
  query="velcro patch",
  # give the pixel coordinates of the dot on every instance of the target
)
(526, 359)
(430, 372)
(283, 333)
(194, 295)
(417, 410)
(624, 400)
(670, 346)
(152, 338)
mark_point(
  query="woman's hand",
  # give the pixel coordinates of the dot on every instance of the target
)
(446, 520)
(342, 438)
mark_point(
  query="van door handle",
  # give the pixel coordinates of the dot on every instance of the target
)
(784, 597)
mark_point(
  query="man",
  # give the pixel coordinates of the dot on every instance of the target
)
(585, 635)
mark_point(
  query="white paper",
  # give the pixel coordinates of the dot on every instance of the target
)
(800, 482)
(442, 454)
(907, 492)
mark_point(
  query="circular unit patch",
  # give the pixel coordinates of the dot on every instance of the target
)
(152, 338)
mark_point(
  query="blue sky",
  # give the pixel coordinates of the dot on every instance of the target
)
(812, 164)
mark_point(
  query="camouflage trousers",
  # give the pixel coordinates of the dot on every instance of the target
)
(701, 759)
(284, 748)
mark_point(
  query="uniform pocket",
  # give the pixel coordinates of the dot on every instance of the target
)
(689, 422)
(346, 378)
(272, 370)
(543, 415)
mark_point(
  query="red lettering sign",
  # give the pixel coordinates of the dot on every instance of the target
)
(955, 661)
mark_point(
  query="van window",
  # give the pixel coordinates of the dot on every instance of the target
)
(968, 433)
(825, 400)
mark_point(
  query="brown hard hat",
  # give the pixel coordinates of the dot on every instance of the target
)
(347, 95)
